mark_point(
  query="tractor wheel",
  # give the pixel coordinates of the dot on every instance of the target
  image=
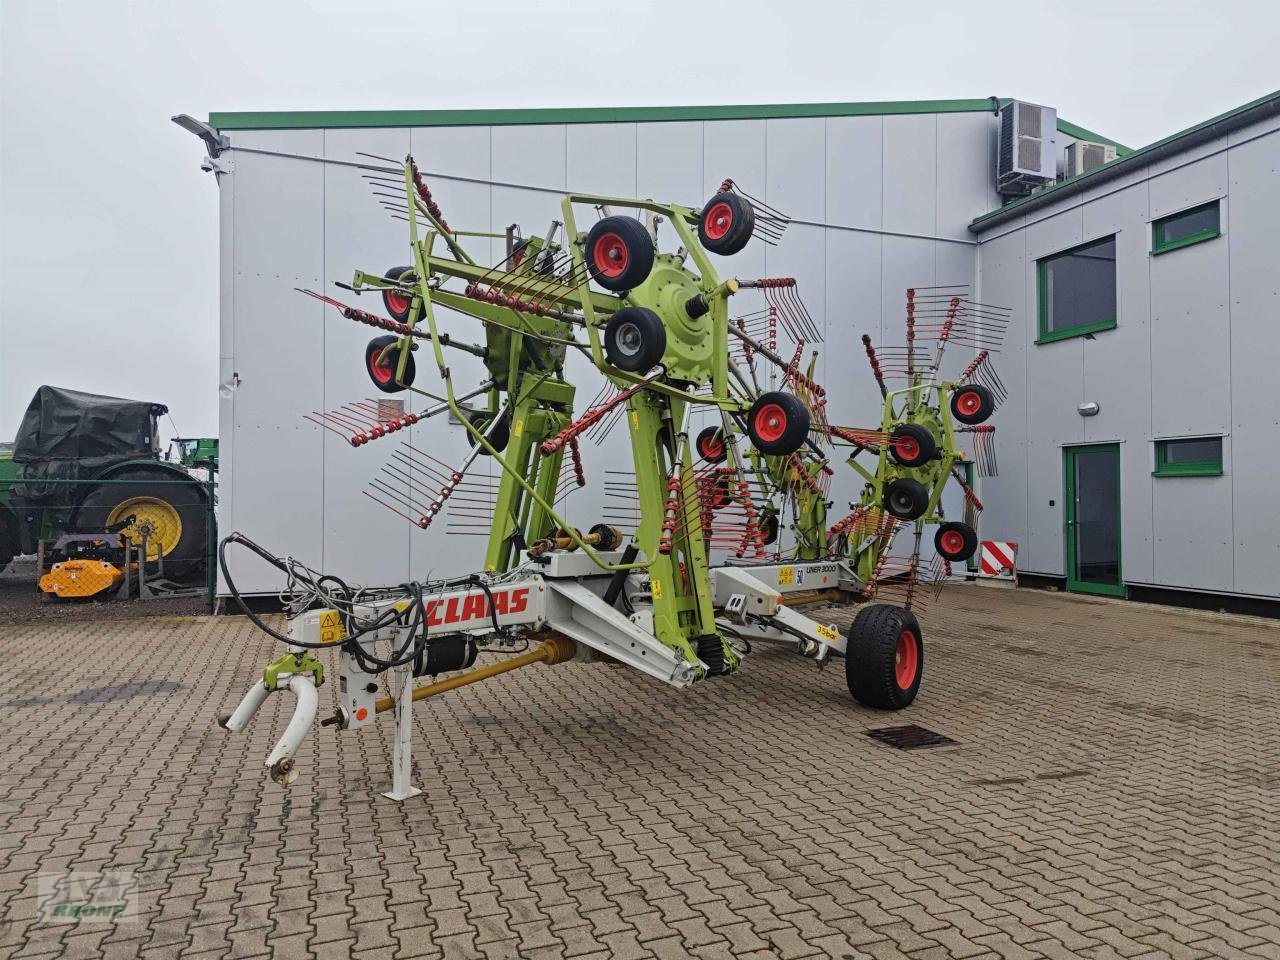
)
(498, 439)
(972, 403)
(383, 374)
(955, 541)
(884, 658)
(396, 302)
(726, 224)
(912, 445)
(634, 339)
(619, 253)
(710, 445)
(8, 539)
(778, 423)
(174, 513)
(906, 498)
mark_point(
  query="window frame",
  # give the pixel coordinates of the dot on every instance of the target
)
(1159, 245)
(1194, 468)
(1045, 335)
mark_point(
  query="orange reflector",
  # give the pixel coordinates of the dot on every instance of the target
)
(361, 713)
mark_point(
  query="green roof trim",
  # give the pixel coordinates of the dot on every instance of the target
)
(1251, 112)
(1080, 133)
(315, 119)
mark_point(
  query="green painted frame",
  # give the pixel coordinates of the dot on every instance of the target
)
(1192, 468)
(1159, 245)
(1069, 523)
(1044, 334)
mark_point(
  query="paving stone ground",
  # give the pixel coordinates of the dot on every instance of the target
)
(1115, 792)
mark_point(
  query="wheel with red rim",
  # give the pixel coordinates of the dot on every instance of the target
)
(726, 224)
(619, 253)
(884, 657)
(383, 371)
(778, 423)
(710, 445)
(912, 445)
(972, 403)
(397, 302)
(955, 541)
(635, 339)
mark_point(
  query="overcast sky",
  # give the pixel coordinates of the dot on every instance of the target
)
(108, 228)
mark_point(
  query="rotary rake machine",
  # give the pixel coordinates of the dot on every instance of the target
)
(656, 326)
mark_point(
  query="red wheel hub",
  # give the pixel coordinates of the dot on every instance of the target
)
(610, 255)
(382, 372)
(396, 302)
(952, 542)
(908, 448)
(719, 221)
(969, 402)
(711, 448)
(771, 422)
(907, 660)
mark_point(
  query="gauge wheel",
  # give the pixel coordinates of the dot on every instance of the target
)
(778, 423)
(912, 445)
(710, 445)
(884, 657)
(726, 223)
(619, 253)
(634, 339)
(497, 439)
(956, 541)
(972, 403)
(906, 499)
(397, 302)
(383, 374)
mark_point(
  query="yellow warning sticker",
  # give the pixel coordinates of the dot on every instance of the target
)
(331, 630)
(827, 633)
(655, 587)
(635, 419)
(786, 576)
(518, 428)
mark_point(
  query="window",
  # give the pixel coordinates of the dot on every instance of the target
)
(1078, 291)
(1193, 457)
(1185, 228)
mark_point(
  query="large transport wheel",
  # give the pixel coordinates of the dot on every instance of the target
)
(619, 253)
(396, 302)
(173, 511)
(383, 374)
(972, 403)
(884, 658)
(955, 541)
(778, 423)
(710, 445)
(906, 498)
(912, 445)
(634, 339)
(726, 224)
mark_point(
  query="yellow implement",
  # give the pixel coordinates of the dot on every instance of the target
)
(81, 578)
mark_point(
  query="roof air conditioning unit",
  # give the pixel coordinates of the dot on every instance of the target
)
(1027, 157)
(1083, 156)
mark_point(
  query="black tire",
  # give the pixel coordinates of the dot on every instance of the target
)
(972, 403)
(884, 657)
(726, 224)
(384, 377)
(185, 557)
(710, 445)
(769, 528)
(498, 439)
(8, 539)
(634, 339)
(955, 541)
(619, 253)
(395, 302)
(906, 498)
(778, 423)
(912, 445)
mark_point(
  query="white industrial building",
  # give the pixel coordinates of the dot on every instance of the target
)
(1138, 352)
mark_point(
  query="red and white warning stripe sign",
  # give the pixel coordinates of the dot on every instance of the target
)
(999, 559)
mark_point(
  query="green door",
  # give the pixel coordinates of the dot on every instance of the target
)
(1093, 519)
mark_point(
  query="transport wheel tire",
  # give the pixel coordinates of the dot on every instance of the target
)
(396, 302)
(619, 253)
(778, 423)
(634, 339)
(906, 498)
(884, 658)
(912, 445)
(972, 403)
(726, 224)
(383, 374)
(501, 433)
(955, 541)
(710, 445)
(173, 508)
(769, 527)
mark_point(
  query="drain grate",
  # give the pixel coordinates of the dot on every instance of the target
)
(909, 737)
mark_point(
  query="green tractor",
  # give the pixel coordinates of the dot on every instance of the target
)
(82, 463)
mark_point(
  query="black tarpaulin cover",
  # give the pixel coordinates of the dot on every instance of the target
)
(69, 425)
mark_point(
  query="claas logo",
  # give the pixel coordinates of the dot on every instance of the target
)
(475, 606)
